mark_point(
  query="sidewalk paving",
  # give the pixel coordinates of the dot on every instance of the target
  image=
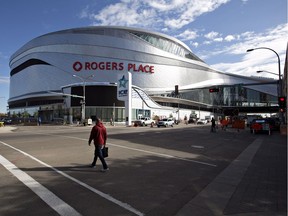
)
(254, 184)
(7, 129)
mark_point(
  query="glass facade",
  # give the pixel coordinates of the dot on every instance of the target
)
(167, 45)
(116, 114)
(232, 96)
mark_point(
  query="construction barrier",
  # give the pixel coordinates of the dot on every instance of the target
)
(238, 124)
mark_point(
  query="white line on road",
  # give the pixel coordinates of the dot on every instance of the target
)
(106, 196)
(47, 196)
(163, 155)
(141, 150)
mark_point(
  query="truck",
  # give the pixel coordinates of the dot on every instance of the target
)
(144, 121)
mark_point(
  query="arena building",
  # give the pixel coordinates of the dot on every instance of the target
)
(51, 73)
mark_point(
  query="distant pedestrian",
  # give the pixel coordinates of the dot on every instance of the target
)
(99, 136)
(185, 120)
(39, 120)
(213, 125)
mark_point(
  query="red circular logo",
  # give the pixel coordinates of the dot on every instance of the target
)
(77, 66)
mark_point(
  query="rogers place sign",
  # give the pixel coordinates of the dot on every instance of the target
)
(117, 66)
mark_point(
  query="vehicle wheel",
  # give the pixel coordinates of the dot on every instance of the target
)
(158, 126)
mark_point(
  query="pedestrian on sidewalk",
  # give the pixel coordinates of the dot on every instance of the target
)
(185, 120)
(99, 136)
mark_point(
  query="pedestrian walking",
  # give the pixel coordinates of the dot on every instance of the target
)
(213, 125)
(99, 136)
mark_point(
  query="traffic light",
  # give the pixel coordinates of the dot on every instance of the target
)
(211, 90)
(282, 102)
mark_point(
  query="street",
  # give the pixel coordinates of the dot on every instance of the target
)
(153, 171)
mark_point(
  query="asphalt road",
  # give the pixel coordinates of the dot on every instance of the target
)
(153, 171)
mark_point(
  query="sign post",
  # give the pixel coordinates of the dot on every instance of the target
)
(124, 93)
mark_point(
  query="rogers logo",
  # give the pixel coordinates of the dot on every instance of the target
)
(112, 66)
(77, 66)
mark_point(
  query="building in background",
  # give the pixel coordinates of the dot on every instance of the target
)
(89, 59)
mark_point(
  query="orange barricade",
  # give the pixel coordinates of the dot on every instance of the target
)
(224, 124)
(238, 124)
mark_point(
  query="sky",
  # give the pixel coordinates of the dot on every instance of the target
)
(217, 31)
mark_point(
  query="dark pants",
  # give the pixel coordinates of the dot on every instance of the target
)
(98, 153)
(213, 128)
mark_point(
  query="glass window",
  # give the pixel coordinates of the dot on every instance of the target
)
(167, 45)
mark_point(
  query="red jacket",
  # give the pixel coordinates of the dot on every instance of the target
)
(98, 134)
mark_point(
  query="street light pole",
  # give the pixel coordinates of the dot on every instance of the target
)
(84, 96)
(279, 67)
(279, 74)
(263, 71)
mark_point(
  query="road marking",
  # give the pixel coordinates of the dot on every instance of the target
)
(106, 196)
(163, 155)
(145, 151)
(213, 199)
(197, 146)
(139, 150)
(47, 196)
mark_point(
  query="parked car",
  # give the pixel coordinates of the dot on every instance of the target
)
(202, 121)
(144, 121)
(275, 123)
(165, 122)
(191, 121)
(262, 125)
(6, 121)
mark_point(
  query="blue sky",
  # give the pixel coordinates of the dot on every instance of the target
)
(218, 31)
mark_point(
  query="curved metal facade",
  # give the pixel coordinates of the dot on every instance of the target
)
(157, 62)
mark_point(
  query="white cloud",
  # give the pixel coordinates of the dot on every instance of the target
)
(187, 35)
(121, 14)
(4, 80)
(191, 10)
(229, 38)
(207, 42)
(194, 44)
(219, 39)
(164, 6)
(84, 13)
(261, 59)
(163, 14)
(211, 35)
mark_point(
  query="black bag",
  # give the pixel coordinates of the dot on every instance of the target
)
(105, 152)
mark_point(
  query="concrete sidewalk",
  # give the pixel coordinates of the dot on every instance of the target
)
(254, 184)
(7, 129)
